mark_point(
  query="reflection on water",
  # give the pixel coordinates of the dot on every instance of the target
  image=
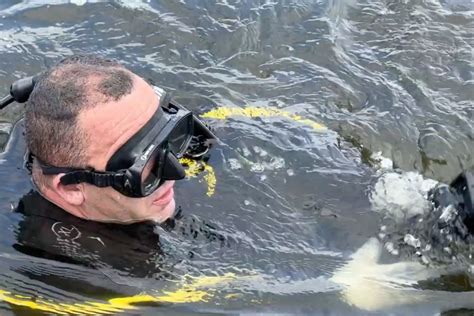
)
(291, 204)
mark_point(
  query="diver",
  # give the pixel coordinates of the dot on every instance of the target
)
(103, 148)
(104, 144)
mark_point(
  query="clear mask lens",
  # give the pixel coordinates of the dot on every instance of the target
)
(180, 136)
(151, 174)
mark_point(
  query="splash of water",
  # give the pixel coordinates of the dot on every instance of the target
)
(401, 195)
(371, 285)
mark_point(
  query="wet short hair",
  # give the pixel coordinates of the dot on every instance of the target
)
(75, 84)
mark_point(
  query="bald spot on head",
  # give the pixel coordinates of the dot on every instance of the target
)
(74, 85)
(110, 124)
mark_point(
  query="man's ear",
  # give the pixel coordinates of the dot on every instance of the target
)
(71, 193)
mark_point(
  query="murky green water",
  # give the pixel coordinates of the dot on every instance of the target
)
(291, 203)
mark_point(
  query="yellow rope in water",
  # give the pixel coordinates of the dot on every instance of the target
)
(222, 113)
(188, 293)
(194, 167)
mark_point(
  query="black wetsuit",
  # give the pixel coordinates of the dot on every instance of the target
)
(47, 231)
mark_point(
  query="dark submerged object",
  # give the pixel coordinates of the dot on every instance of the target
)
(20, 91)
(459, 194)
(172, 132)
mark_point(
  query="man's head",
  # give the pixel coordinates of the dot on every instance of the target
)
(79, 114)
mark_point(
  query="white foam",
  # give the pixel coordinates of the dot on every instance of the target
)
(449, 214)
(235, 164)
(274, 163)
(401, 195)
(410, 240)
(382, 162)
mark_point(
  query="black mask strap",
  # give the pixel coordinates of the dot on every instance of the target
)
(98, 179)
(75, 176)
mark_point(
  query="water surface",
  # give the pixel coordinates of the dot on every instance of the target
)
(292, 203)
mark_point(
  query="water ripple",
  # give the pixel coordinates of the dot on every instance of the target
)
(394, 77)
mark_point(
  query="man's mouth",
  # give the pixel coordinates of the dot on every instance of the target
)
(166, 194)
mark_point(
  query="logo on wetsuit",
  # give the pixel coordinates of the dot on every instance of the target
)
(65, 232)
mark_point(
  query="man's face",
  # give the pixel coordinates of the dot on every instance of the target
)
(108, 126)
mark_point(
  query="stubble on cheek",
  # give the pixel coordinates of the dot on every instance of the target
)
(111, 206)
(130, 210)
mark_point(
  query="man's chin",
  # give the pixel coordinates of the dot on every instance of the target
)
(163, 212)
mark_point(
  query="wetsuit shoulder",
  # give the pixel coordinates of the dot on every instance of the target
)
(48, 231)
